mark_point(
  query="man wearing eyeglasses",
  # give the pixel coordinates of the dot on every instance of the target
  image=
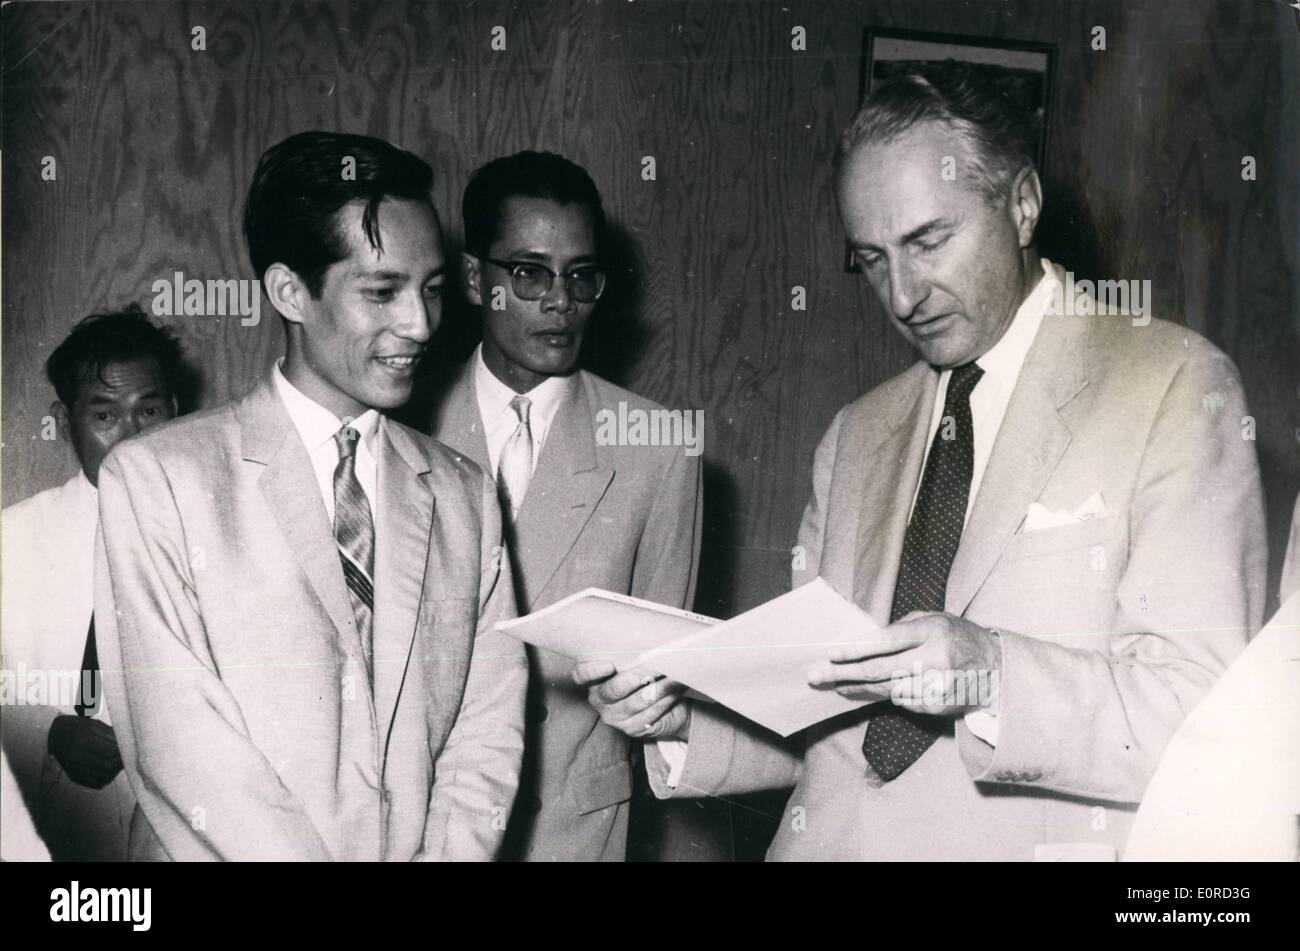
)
(578, 514)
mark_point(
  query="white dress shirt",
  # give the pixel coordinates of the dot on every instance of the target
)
(317, 427)
(500, 420)
(988, 405)
(46, 602)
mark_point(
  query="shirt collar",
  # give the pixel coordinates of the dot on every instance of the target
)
(1007, 356)
(85, 486)
(316, 425)
(494, 396)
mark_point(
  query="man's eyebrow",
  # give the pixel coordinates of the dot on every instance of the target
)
(382, 275)
(920, 232)
(100, 399)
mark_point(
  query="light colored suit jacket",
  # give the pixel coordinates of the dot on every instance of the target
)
(47, 600)
(1290, 583)
(1112, 628)
(234, 667)
(622, 518)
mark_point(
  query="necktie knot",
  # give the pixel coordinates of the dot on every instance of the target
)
(962, 382)
(347, 439)
(521, 405)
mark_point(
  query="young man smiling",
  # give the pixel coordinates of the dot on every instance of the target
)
(300, 663)
(578, 514)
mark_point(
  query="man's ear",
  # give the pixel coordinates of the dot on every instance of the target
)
(471, 277)
(1026, 204)
(60, 413)
(286, 291)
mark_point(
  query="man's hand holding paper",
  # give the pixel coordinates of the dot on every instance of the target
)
(639, 702)
(928, 662)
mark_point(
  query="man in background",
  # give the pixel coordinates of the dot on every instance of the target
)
(579, 512)
(114, 376)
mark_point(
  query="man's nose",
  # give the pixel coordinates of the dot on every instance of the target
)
(558, 297)
(416, 318)
(907, 289)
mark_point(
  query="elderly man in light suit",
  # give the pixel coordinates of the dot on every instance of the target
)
(1056, 512)
(580, 512)
(296, 593)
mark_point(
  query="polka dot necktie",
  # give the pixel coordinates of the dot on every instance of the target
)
(896, 737)
(354, 530)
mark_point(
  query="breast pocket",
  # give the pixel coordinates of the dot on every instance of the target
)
(1061, 539)
(1057, 581)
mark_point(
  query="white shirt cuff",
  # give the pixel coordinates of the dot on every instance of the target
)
(674, 753)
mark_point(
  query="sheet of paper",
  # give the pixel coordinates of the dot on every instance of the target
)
(756, 663)
(601, 625)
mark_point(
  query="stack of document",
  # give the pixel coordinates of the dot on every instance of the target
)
(754, 664)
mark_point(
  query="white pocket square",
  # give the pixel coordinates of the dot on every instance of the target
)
(1040, 516)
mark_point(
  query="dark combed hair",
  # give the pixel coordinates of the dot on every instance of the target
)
(974, 101)
(525, 175)
(120, 336)
(299, 187)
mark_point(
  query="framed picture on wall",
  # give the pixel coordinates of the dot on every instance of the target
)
(1024, 69)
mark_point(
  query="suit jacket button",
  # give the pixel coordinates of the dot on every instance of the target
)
(535, 805)
(537, 713)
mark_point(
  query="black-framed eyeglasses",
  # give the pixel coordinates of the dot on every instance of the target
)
(533, 281)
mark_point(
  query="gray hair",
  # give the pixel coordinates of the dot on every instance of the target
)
(999, 134)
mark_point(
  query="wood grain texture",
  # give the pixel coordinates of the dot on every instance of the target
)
(156, 144)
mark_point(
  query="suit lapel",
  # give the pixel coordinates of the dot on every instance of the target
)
(404, 523)
(457, 421)
(1029, 444)
(566, 486)
(291, 491)
(891, 460)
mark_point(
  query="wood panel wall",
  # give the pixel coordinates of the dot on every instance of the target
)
(156, 143)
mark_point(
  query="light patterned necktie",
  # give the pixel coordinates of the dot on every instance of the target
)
(896, 737)
(516, 465)
(354, 530)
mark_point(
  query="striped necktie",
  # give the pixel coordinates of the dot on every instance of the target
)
(896, 737)
(354, 530)
(516, 465)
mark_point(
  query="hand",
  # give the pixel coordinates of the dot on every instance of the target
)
(86, 749)
(928, 662)
(638, 702)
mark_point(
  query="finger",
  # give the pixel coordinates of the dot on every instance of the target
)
(891, 640)
(623, 685)
(650, 722)
(867, 671)
(869, 692)
(635, 704)
(592, 671)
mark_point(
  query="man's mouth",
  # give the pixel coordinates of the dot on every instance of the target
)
(557, 337)
(930, 326)
(400, 363)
